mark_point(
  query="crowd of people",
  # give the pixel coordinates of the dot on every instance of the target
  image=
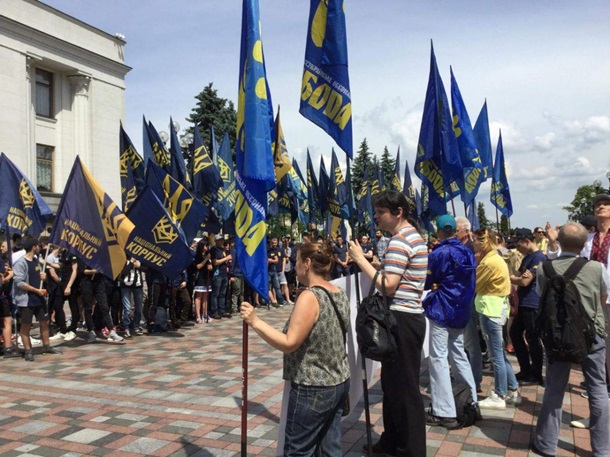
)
(478, 292)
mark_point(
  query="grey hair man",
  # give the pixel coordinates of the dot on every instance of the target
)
(591, 283)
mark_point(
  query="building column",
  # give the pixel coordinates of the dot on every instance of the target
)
(30, 116)
(82, 119)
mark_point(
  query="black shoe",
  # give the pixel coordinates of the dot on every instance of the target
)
(521, 375)
(29, 357)
(378, 449)
(10, 353)
(50, 350)
(531, 381)
(450, 423)
(187, 324)
(216, 316)
(537, 451)
(227, 315)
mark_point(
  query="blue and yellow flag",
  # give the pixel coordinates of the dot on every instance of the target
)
(154, 148)
(473, 217)
(323, 185)
(129, 190)
(483, 140)
(206, 177)
(129, 155)
(177, 166)
(214, 145)
(254, 154)
(313, 196)
(338, 196)
(155, 240)
(300, 191)
(377, 180)
(409, 191)
(90, 225)
(438, 158)
(396, 184)
(351, 202)
(500, 193)
(186, 211)
(281, 160)
(22, 208)
(227, 193)
(326, 99)
(365, 206)
(472, 168)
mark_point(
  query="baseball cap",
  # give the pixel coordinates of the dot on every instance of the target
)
(600, 198)
(446, 223)
(220, 236)
(521, 234)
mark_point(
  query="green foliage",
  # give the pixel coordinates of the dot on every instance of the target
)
(582, 204)
(387, 166)
(483, 221)
(217, 111)
(361, 162)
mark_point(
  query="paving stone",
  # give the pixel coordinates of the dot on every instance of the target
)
(86, 436)
(144, 446)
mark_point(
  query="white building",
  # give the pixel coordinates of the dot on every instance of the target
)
(62, 94)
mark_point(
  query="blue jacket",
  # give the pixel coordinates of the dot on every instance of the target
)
(452, 267)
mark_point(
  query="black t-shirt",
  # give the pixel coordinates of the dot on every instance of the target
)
(272, 254)
(223, 269)
(34, 299)
(341, 252)
(66, 260)
(366, 248)
(2, 266)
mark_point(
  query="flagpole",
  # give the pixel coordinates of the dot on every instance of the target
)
(244, 389)
(497, 221)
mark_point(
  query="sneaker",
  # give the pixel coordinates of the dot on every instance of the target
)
(33, 342)
(127, 334)
(582, 423)
(105, 332)
(537, 451)
(584, 394)
(138, 331)
(114, 337)
(69, 336)
(494, 401)
(10, 353)
(29, 357)
(531, 381)
(50, 350)
(378, 449)
(91, 337)
(227, 315)
(56, 337)
(450, 423)
(513, 398)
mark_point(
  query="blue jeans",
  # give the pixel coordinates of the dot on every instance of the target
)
(274, 282)
(549, 419)
(126, 293)
(313, 422)
(447, 346)
(472, 346)
(218, 295)
(504, 376)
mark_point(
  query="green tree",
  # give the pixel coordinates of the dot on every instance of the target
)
(387, 166)
(361, 162)
(217, 111)
(582, 204)
(504, 229)
(483, 221)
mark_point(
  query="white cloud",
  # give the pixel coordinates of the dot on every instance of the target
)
(545, 142)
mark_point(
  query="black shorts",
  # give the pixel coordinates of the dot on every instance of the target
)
(27, 314)
(5, 307)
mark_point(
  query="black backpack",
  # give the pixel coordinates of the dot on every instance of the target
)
(376, 325)
(565, 328)
(465, 410)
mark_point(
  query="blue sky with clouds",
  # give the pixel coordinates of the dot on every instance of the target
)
(544, 68)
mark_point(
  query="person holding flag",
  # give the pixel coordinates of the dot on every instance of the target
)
(29, 296)
(315, 361)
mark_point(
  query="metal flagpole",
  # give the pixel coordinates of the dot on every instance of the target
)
(244, 390)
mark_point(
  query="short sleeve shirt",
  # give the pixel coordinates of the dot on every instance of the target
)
(341, 252)
(528, 297)
(220, 270)
(407, 256)
(274, 253)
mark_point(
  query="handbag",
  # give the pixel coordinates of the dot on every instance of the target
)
(346, 403)
(376, 325)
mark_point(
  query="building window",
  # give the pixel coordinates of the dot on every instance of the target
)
(44, 93)
(44, 168)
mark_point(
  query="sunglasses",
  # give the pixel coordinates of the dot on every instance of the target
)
(539, 233)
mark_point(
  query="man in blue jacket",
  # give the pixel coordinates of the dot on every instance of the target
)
(451, 282)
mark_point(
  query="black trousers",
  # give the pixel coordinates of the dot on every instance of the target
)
(95, 289)
(56, 304)
(404, 417)
(522, 330)
(73, 303)
(180, 305)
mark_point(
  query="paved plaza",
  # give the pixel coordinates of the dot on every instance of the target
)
(179, 394)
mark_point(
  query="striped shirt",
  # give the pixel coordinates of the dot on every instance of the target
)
(407, 255)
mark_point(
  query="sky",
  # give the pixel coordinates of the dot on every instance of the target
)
(543, 67)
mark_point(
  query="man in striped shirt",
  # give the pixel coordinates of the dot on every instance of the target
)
(404, 268)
